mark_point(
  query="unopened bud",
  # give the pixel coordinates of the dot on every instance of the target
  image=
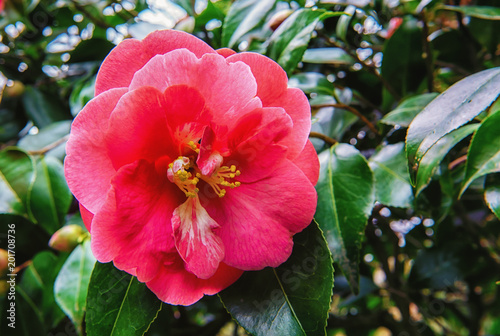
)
(278, 18)
(15, 90)
(4, 262)
(66, 238)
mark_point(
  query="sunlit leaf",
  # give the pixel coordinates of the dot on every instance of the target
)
(292, 299)
(453, 108)
(492, 194)
(480, 12)
(404, 113)
(335, 56)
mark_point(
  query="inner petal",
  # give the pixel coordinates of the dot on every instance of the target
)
(200, 248)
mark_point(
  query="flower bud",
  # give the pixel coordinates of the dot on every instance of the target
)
(16, 90)
(4, 262)
(278, 18)
(66, 238)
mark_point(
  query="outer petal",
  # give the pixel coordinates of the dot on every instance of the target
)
(226, 88)
(178, 287)
(226, 52)
(87, 216)
(87, 157)
(133, 228)
(308, 162)
(198, 245)
(130, 55)
(258, 219)
(272, 83)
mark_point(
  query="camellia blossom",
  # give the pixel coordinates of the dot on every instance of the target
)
(192, 165)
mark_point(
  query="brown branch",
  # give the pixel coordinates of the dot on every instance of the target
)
(95, 20)
(427, 55)
(353, 111)
(50, 147)
(325, 138)
(455, 163)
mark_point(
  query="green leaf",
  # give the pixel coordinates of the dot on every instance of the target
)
(392, 183)
(346, 194)
(42, 108)
(289, 42)
(292, 299)
(118, 304)
(36, 309)
(50, 196)
(243, 16)
(81, 94)
(187, 5)
(344, 23)
(431, 160)
(51, 139)
(484, 151)
(492, 194)
(404, 113)
(70, 288)
(311, 82)
(480, 12)
(403, 66)
(453, 108)
(17, 173)
(335, 56)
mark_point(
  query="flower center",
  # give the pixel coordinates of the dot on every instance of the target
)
(186, 175)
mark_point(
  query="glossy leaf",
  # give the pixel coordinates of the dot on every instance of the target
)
(346, 194)
(50, 196)
(51, 139)
(187, 5)
(311, 82)
(453, 108)
(289, 42)
(492, 195)
(335, 56)
(81, 94)
(344, 23)
(243, 16)
(404, 113)
(17, 173)
(42, 108)
(70, 288)
(118, 304)
(403, 66)
(480, 12)
(292, 299)
(392, 183)
(436, 154)
(484, 151)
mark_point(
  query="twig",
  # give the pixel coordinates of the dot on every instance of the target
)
(427, 56)
(455, 163)
(50, 146)
(97, 21)
(353, 111)
(325, 138)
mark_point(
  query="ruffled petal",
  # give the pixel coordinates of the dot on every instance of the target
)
(138, 128)
(86, 154)
(308, 162)
(194, 236)
(226, 52)
(134, 228)
(226, 87)
(177, 286)
(130, 55)
(273, 90)
(259, 219)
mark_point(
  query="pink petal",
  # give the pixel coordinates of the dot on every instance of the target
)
(177, 286)
(130, 55)
(226, 87)
(308, 162)
(87, 166)
(138, 128)
(272, 83)
(134, 228)
(258, 219)
(87, 216)
(208, 159)
(226, 52)
(195, 240)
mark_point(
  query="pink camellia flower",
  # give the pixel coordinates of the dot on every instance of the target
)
(192, 165)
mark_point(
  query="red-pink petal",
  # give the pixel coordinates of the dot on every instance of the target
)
(198, 245)
(130, 55)
(134, 228)
(272, 89)
(259, 219)
(308, 162)
(138, 128)
(226, 52)
(177, 286)
(87, 166)
(87, 216)
(226, 87)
